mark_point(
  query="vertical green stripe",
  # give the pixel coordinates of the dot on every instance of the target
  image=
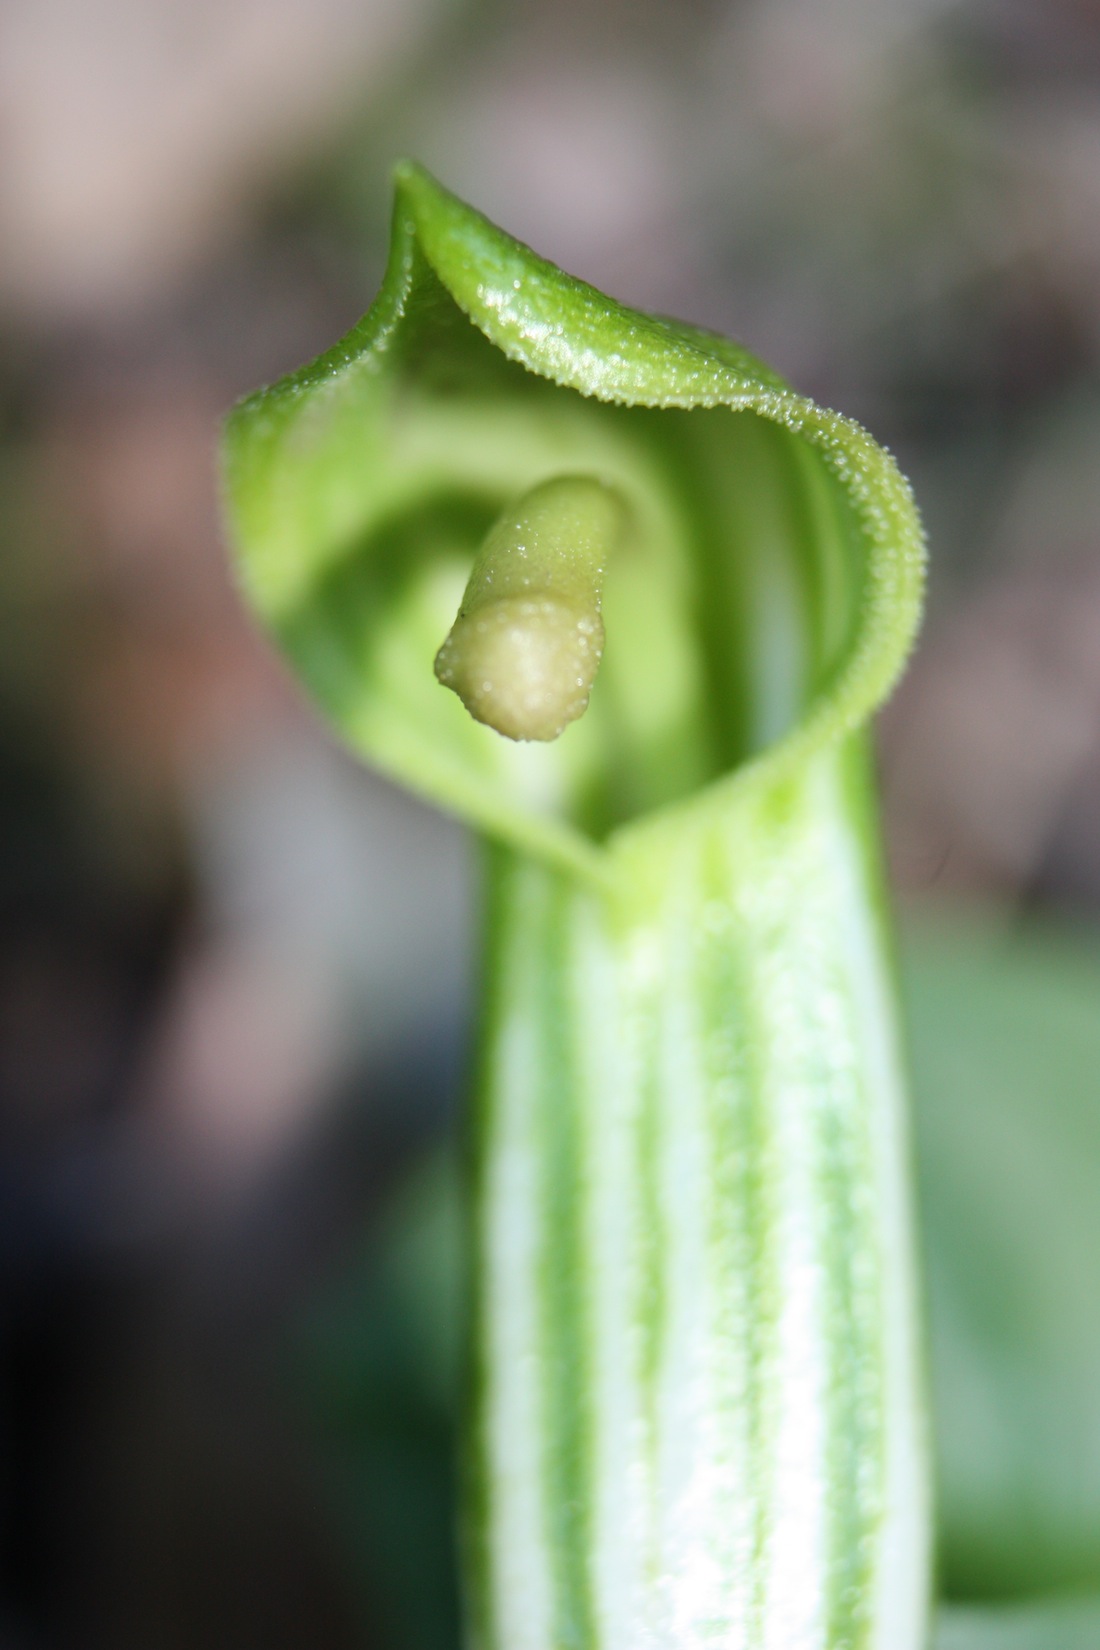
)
(850, 1259)
(563, 1284)
(520, 1578)
(651, 1304)
(478, 1140)
(742, 1207)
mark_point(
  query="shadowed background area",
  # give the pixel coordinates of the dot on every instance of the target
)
(234, 968)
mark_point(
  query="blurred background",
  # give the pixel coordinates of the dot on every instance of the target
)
(234, 975)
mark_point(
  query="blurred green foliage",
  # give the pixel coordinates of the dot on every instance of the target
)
(1005, 1035)
(380, 1367)
(1072, 1625)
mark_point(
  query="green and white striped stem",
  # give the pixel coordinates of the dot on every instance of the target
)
(697, 1419)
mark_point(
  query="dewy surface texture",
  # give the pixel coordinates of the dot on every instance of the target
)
(695, 1413)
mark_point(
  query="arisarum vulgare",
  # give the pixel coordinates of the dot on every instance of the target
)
(694, 1405)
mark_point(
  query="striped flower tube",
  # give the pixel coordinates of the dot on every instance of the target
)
(694, 1412)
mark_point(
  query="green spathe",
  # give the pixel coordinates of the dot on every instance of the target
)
(776, 581)
(695, 1416)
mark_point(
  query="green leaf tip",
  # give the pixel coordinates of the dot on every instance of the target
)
(769, 597)
(525, 648)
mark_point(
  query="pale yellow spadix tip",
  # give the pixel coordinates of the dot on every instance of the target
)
(523, 665)
(524, 650)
